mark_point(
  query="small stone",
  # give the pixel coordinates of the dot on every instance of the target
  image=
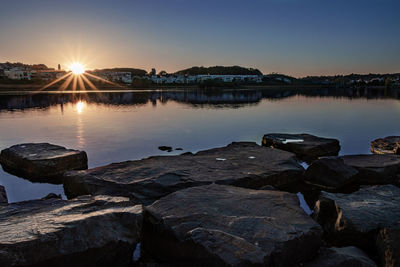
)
(165, 148)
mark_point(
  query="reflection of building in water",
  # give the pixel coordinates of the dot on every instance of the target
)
(196, 97)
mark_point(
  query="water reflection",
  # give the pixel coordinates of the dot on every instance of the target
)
(118, 126)
(195, 98)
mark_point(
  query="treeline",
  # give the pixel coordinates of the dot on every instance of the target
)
(219, 70)
(135, 72)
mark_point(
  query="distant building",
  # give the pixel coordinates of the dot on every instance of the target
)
(153, 72)
(59, 67)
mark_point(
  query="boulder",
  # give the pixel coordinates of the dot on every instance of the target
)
(387, 145)
(331, 174)
(42, 162)
(3, 195)
(86, 231)
(356, 218)
(219, 225)
(240, 164)
(388, 246)
(307, 147)
(341, 257)
(375, 169)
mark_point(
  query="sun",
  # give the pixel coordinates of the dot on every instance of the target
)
(77, 68)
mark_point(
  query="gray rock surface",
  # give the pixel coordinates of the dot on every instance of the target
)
(219, 225)
(307, 147)
(240, 164)
(388, 246)
(375, 169)
(331, 174)
(42, 162)
(87, 231)
(3, 195)
(356, 218)
(341, 257)
(387, 145)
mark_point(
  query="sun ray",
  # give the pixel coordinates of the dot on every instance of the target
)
(81, 83)
(91, 85)
(66, 83)
(55, 81)
(74, 83)
(104, 80)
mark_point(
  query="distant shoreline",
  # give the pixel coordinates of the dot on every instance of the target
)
(7, 89)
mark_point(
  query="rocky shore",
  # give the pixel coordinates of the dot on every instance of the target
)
(229, 206)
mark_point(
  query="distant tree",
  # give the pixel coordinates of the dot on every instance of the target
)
(219, 70)
(162, 73)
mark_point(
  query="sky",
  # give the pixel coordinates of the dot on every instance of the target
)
(295, 37)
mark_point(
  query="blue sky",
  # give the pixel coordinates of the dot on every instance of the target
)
(296, 37)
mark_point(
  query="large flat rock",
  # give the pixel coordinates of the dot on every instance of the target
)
(42, 162)
(219, 225)
(306, 146)
(387, 145)
(87, 231)
(356, 218)
(241, 164)
(374, 168)
(341, 257)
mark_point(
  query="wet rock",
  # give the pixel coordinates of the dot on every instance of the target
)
(240, 164)
(387, 145)
(179, 148)
(42, 162)
(87, 231)
(3, 195)
(388, 246)
(219, 225)
(356, 218)
(375, 169)
(165, 148)
(341, 257)
(331, 174)
(307, 147)
(52, 195)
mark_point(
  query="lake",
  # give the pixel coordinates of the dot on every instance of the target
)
(118, 126)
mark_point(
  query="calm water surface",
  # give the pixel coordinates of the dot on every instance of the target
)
(114, 127)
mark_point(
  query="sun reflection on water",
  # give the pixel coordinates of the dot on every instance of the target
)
(80, 105)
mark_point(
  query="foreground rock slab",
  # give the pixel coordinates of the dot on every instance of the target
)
(341, 257)
(331, 174)
(42, 162)
(356, 218)
(218, 225)
(387, 145)
(307, 147)
(241, 164)
(87, 231)
(375, 169)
